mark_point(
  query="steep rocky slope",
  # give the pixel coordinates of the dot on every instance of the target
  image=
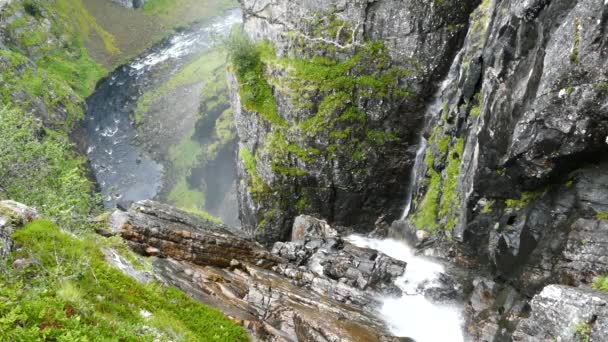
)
(510, 102)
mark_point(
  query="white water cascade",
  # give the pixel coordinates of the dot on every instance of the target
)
(413, 315)
(420, 153)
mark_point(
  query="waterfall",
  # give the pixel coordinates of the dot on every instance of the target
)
(420, 153)
(413, 315)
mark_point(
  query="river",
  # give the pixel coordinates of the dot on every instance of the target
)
(125, 171)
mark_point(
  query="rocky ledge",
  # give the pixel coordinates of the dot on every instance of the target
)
(315, 288)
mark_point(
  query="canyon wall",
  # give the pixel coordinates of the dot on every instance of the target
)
(338, 136)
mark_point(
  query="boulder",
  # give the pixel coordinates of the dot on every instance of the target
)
(13, 215)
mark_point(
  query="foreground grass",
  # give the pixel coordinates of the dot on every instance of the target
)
(71, 294)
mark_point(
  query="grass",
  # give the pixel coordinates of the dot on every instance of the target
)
(71, 293)
(83, 23)
(601, 283)
(201, 213)
(525, 199)
(449, 196)
(184, 11)
(257, 187)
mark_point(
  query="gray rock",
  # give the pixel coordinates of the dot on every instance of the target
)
(305, 226)
(566, 314)
(13, 215)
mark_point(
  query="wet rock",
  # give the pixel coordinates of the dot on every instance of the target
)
(566, 314)
(586, 252)
(360, 268)
(494, 310)
(126, 266)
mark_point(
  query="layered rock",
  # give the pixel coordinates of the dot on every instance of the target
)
(319, 288)
(349, 169)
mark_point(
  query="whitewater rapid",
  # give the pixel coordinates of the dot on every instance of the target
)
(413, 315)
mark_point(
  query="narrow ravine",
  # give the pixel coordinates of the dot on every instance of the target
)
(125, 170)
(413, 314)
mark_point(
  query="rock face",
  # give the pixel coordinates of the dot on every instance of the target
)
(515, 169)
(318, 288)
(566, 314)
(343, 153)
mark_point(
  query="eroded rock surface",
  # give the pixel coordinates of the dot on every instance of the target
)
(565, 314)
(319, 288)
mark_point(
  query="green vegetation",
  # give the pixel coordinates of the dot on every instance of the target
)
(476, 109)
(70, 293)
(180, 12)
(192, 152)
(577, 41)
(426, 216)
(203, 214)
(526, 198)
(441, 192)
(488, 207)
(332, 81)
(449, 195)
(601, 283)
(601, 216)
(256, 187)
(198, 70)
(39, 167)
(582, 331)
(255, 92)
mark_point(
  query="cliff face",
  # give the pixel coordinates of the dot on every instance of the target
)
(515, 168)
(348, 82)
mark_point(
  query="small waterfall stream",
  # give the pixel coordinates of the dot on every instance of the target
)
(420, 153)
(414, 315)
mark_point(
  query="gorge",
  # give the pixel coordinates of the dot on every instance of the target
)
(314, 170)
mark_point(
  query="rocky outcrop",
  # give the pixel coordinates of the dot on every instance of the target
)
(342, 151)
(158, 229)
(319, 288)
(12, 216)
(566, 314)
